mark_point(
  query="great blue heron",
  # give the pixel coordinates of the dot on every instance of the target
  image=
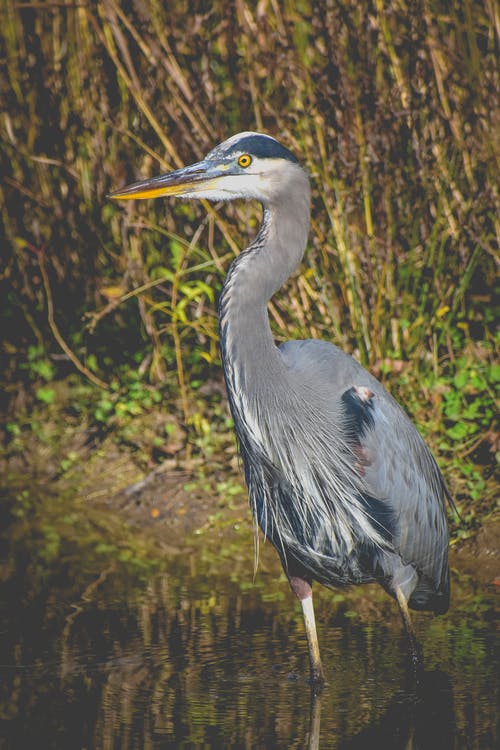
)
(338, 477)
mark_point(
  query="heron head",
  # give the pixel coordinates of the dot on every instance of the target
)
(247, 165)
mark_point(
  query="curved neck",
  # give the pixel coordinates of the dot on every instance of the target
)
(247, 345)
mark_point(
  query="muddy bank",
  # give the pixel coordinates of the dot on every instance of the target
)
(172, 506)
(479, 556)
(169, 506)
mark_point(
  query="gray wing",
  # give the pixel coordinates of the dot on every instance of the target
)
(404, 489)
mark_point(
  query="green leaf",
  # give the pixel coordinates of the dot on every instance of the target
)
(495, 373)
(46, 395)
(459, 430)
(461, 379)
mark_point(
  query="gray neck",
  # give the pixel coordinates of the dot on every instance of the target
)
(249, 355)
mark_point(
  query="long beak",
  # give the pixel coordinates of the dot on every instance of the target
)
(186, 181)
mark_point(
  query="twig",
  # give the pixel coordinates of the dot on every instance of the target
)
(40, 254)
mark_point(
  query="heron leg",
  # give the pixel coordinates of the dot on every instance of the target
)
(303, 591)
(415, 647)
(314, 720)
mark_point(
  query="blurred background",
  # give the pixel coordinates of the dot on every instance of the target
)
(110, 371)
(393, 109)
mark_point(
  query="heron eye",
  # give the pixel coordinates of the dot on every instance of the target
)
(245, 160)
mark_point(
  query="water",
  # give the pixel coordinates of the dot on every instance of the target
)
(200, 657)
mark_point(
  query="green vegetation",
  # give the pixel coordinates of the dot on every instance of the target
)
(108, 313)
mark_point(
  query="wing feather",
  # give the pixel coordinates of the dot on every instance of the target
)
(396, 475)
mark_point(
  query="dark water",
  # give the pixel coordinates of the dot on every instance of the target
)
(193, 657)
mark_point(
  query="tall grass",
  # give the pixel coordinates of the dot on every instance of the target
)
(393, 108)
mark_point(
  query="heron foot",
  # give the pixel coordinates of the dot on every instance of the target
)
(316, 680)
(417, 653)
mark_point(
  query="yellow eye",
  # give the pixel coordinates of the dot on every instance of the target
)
(245, 160)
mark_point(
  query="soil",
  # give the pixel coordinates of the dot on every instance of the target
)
(170, 504)
(160, 504)
(479, 556)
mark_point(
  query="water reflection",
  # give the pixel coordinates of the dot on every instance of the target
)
(419, 718)
(185, 662)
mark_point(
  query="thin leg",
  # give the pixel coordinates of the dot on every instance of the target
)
(415, 647)
(317, 677)
(314, 721)
(303, 590)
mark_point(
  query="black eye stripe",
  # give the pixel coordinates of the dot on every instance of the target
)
(256, 145)
(262, 147)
